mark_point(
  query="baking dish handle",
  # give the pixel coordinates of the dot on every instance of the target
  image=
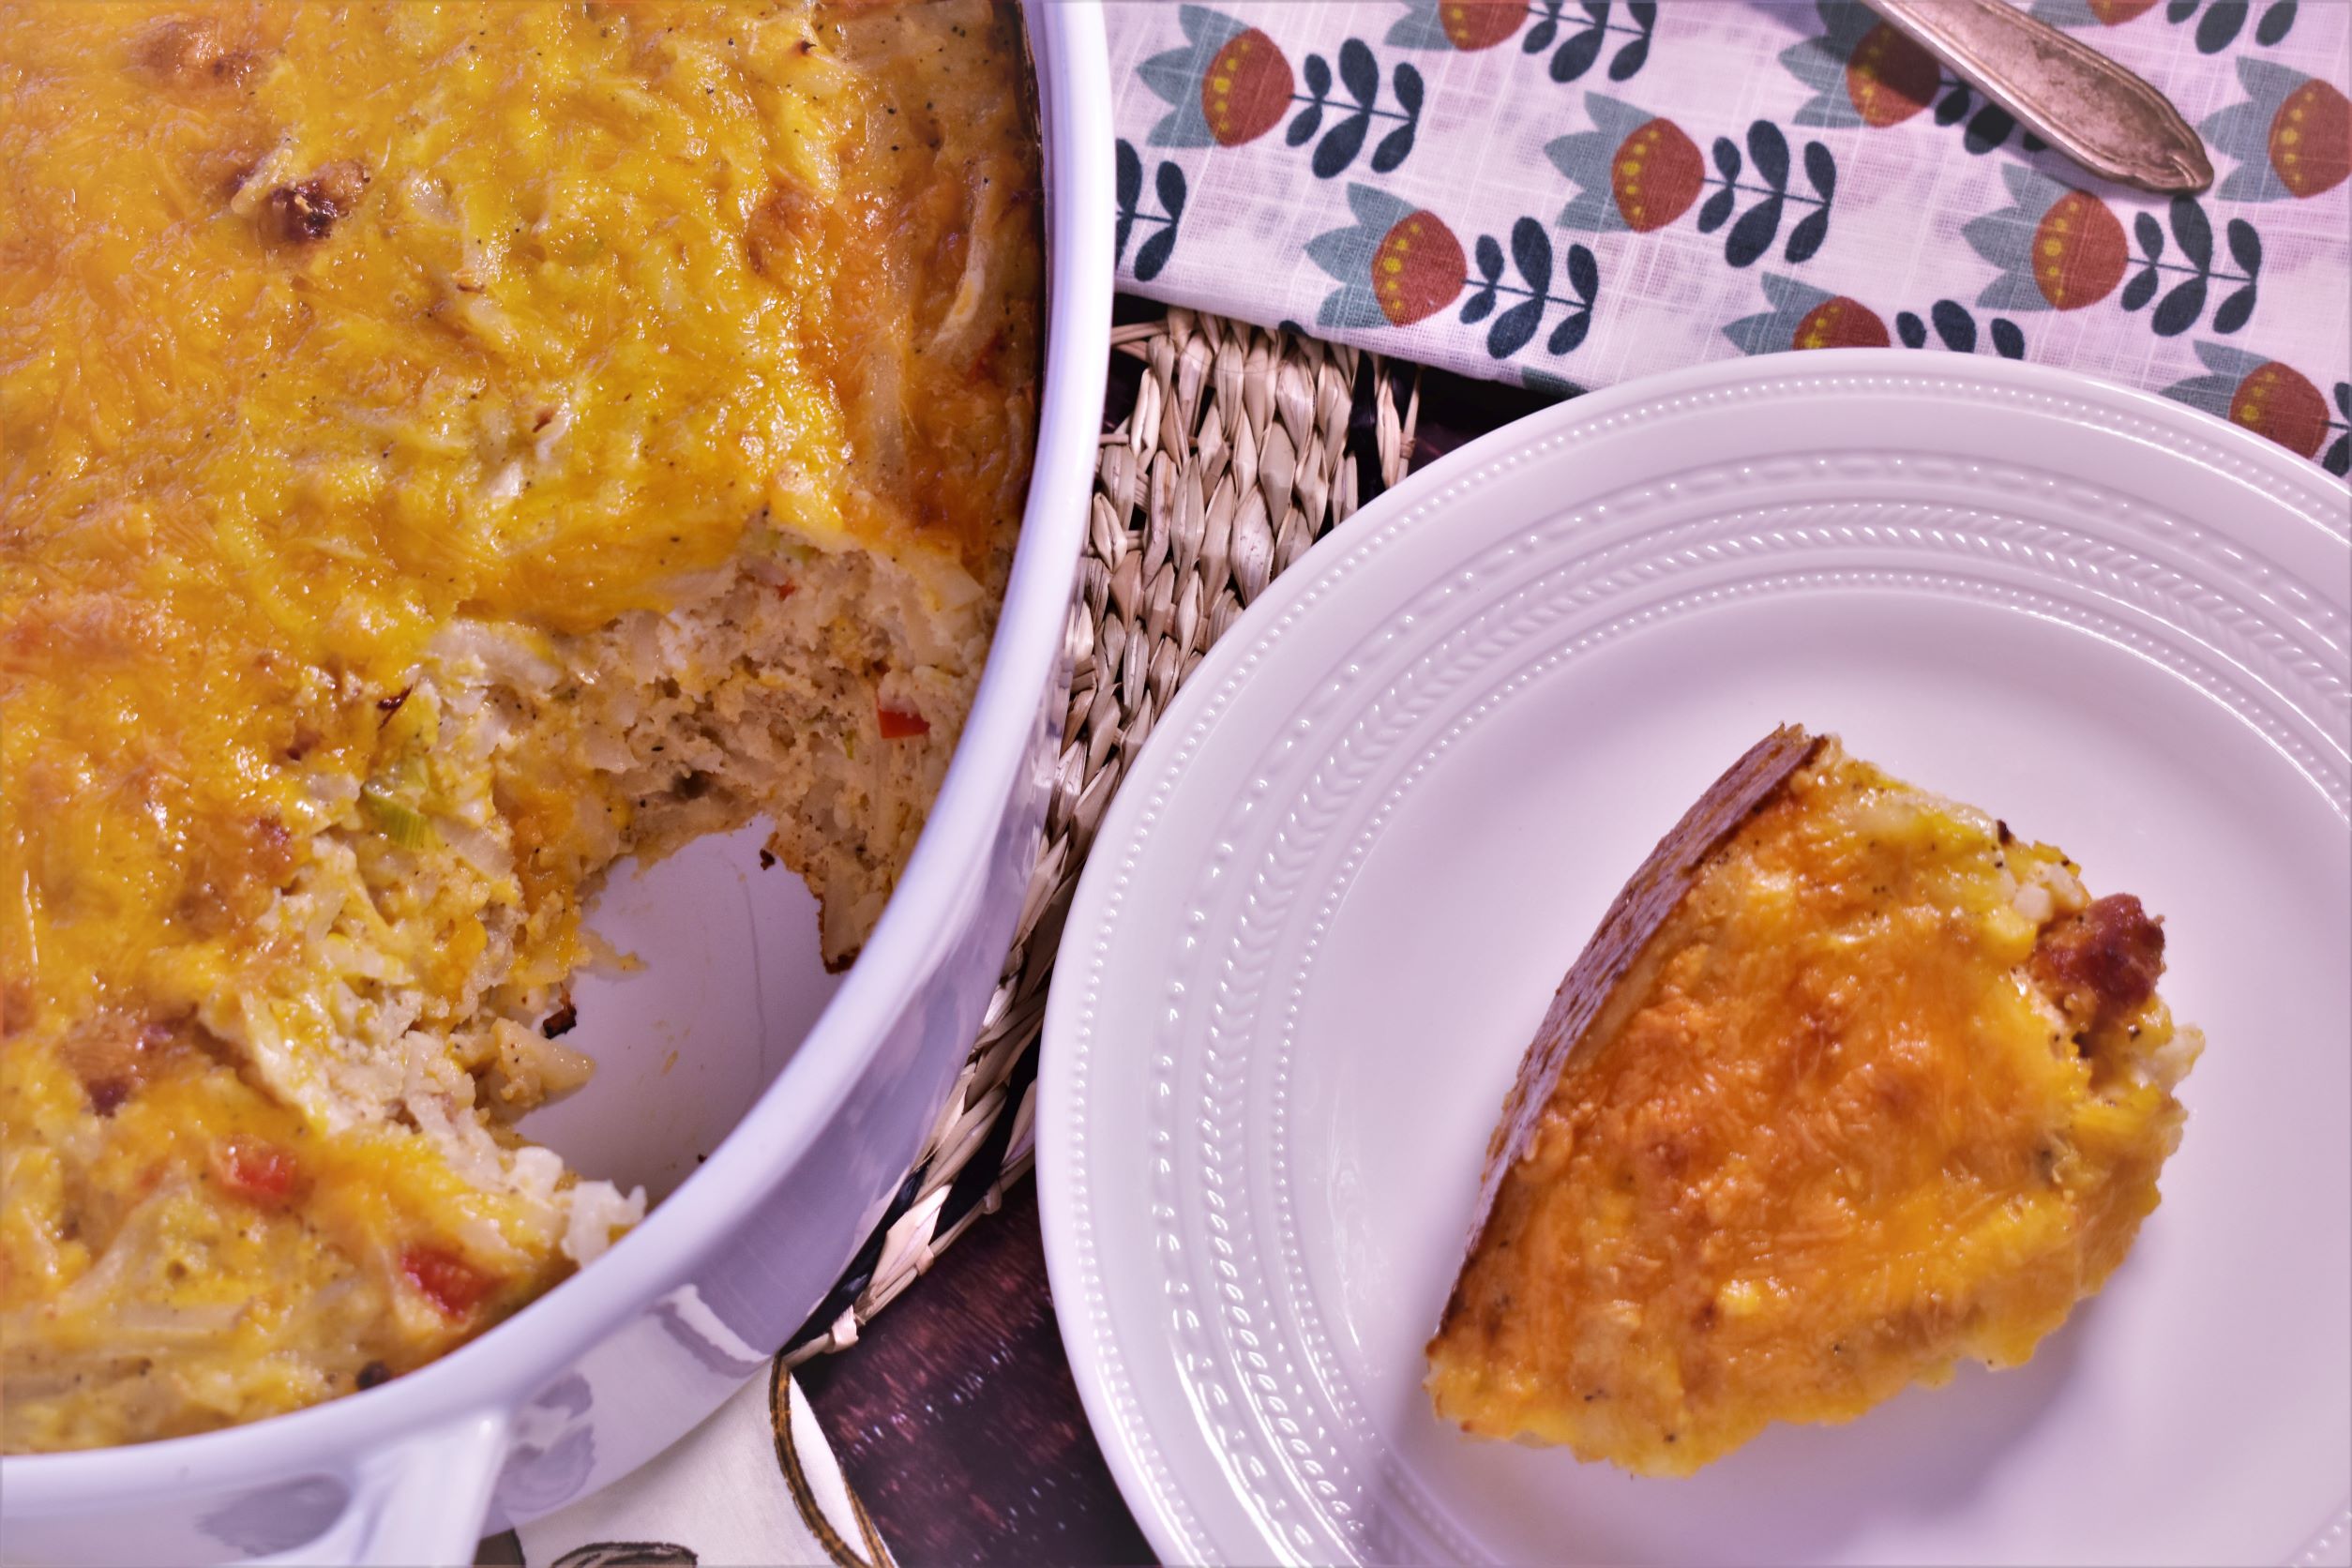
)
(418, 1502)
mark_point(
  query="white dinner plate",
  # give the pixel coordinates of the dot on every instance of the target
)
(1338, 888)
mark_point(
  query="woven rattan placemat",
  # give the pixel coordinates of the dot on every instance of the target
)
(1228, 450)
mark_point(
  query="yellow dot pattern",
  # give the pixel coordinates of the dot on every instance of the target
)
(2311, 139)
(1819, 329)
(1630, 157)
(1389, 267)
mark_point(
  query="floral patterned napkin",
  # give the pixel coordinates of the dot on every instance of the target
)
(1570, 195)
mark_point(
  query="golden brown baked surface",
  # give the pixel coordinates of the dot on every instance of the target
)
(1853, 1084)
(443, 448)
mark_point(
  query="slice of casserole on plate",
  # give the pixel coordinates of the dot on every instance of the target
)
(1851, 1084)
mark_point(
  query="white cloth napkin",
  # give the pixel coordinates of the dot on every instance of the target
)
(756, 1483)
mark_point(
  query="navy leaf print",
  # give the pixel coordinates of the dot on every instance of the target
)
(1726, 158)
(1716, 210)
(1954, 107)
(1408, 86)
(1806, 237)
(1479, 307)
(1392, 150)
(1337, 150)
(1513, 328)
(2140, 290)
(1989, 129)
(1317, 76)
(2245, 247)
(1152, 254)
(1359, 71)
(1821, 169)
(1954, 325)
(1577, 55)
(2195, 232)
(2151, 234)
(2180, 11)
(1489, 258)
(1531, 253)
(2275, 25)
(1310, 120)
(1169, 182)
(2180, 310)
(1584, 275)
(2008, 341)
(1629, 59)
(1752, 234)
(1770, 149)
(2339, 456)
(1130, 176)
(1569, 333)
(2235, 312)
(2220, 25)
(1913, 331)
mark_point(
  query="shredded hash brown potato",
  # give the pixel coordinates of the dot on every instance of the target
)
(1883, 1089)
(444, 449)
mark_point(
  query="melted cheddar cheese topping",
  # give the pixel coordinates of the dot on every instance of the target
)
(325, 331)
(1840, 1127)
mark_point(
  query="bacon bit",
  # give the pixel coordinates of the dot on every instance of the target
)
(373, 1374)
(259, 1172)
(786, 590)
(445, 1279)
(387, 706)
(561, 1021)
(307, 210)
(899, 726)
(114, 1055)
(2103, 962)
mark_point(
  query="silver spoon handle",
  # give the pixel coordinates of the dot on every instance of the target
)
(2110, 121)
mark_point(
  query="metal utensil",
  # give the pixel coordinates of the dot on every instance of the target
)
(2106, 118)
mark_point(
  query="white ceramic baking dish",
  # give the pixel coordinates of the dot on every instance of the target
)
(711, 1052)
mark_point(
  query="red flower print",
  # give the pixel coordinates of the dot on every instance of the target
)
(1418, 268)
(1840, 324)
(1479, 23)
(1246, 88)
(1226, 84)
(1655, 176)
(1889, 78)
(2279, 402)
(2078, 251)
(1395, 264)
(2311, 139)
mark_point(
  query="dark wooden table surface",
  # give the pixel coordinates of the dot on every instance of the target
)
(953, 1415)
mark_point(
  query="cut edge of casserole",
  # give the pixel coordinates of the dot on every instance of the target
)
(1852, 1085)
(321, 725)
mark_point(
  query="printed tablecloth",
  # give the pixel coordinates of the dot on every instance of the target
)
(1572, 195)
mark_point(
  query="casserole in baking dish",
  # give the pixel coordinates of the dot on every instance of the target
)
(447, 449)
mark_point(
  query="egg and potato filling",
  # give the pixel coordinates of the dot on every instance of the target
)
(444, 449)
(1875, 1087)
